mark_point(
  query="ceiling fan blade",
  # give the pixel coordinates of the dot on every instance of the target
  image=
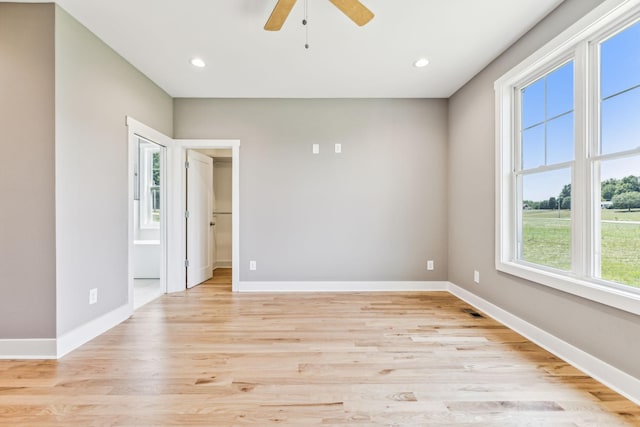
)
(279, 15)
(355, 10)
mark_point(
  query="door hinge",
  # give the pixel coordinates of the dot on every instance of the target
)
(186, 164)
(186, 214)
(186, 263)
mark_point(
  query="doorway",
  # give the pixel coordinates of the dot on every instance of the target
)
(177, 237)
(147, 259)
(209, 213)
(173, 248)
(148, 214)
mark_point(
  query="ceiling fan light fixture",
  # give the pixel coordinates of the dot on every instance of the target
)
(198, 62)
(420, 63)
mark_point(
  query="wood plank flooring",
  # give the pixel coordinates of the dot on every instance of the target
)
(207, 357)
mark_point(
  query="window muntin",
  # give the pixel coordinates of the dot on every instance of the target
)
(620, 120)
(620, 62)
(547, 119)
(620, 91)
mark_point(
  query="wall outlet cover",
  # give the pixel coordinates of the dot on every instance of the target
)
(93, 296)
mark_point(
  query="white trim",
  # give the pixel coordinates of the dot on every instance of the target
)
(589, 25)
(44, 348)
(608, 375)
(137, 129)
(177, 252)
(574, 42)
(342, 286)
(85, 333)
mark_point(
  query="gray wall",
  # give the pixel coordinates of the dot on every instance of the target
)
(376, 212)
(95, 90)
(606, 333)
(27, 131)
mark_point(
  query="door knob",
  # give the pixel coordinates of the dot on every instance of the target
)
(212, 224)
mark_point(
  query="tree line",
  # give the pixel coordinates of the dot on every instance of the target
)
(621, 193)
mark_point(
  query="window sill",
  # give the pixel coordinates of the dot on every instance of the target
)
(627, 300)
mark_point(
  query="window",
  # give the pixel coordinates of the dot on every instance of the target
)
(568, 161)
(547, 150)
(149, 184)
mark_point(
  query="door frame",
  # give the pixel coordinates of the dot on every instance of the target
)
(173, 231)
(177, 186)
(137, 130)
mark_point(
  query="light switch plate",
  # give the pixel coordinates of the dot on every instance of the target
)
(338, 148)
(316, 148)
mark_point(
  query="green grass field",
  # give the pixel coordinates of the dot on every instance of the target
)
(547, 241)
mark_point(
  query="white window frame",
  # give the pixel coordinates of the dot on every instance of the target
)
(579, 42)
(146, 182)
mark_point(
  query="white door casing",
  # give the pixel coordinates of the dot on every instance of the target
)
(175, 199)
(199, 210)
(138, 130)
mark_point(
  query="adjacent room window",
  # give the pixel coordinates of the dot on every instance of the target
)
(568, 160)
(149, 181)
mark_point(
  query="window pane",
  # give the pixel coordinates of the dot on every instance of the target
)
(560, 91)
(545, 232)
(620, 221)
(533, 104)
(621, 122)
(560, 139)
(547, 119)
(620, 61)
(533, 147)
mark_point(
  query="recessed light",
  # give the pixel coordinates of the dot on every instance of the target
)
(422, 62)
(198, 62)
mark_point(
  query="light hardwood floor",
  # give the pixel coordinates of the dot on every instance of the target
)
(207, 357)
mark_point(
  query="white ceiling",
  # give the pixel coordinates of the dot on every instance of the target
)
(459, 37)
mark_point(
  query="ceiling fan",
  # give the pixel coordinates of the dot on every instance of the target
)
(354, 10)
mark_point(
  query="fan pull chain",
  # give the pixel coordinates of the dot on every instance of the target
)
(305, 22)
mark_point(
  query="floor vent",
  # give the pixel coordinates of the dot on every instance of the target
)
(472, 312)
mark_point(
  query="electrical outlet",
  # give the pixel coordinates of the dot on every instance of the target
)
(476, 276)
(315, 148)
(338, 148)
(93, 296)
(430, 265)
(252, 265)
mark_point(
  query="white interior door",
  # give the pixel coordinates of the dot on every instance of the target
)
(199, 208)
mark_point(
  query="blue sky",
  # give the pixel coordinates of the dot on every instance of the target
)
(547, 117)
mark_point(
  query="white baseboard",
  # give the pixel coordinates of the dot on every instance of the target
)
(85, 333)
(346, 286)
(608, 375)
(44, 348)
